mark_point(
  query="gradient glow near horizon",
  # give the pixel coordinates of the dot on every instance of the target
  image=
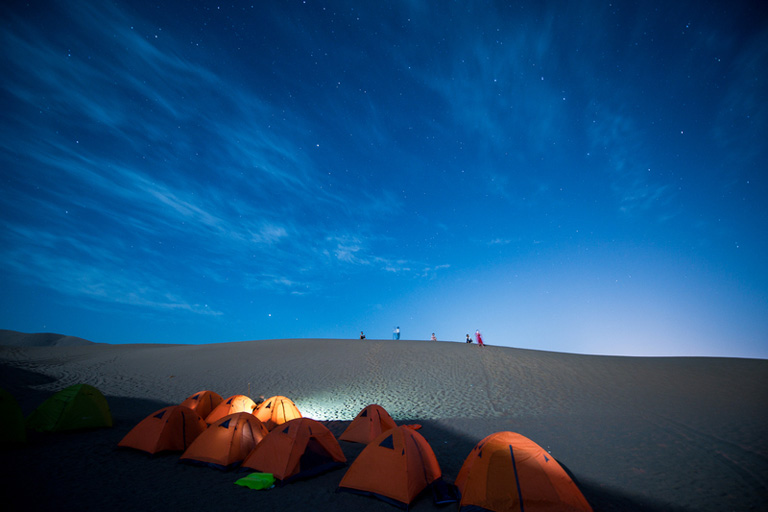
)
(587, 178)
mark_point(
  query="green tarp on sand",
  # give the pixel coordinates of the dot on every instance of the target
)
(257, 481)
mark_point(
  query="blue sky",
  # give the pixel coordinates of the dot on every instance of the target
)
(585, 178)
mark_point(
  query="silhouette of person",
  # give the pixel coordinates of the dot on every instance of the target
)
(396, 335)
(362, 336)
(469, 340)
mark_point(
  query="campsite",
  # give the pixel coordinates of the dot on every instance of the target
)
(648, 434)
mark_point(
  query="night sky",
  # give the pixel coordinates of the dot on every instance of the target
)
(584, 177)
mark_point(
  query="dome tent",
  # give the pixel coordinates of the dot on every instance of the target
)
(395, 467)
(80, 406)
(507, 471)
(227, 442)
(296, 449)
(203, 402)
(11, 420)
(233, 404)
(276, 410)
(171, 428)
(368, 424)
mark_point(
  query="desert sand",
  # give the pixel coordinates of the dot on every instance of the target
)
(647, 434)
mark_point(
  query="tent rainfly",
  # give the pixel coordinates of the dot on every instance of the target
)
(171, 428)
(507, 471)
(77, 407)
(368, 424)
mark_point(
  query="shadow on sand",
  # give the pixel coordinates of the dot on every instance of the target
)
(86, 471)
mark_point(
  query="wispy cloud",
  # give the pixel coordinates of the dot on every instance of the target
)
(86, 269)
(742, 120)
(498, 83)
(616, 141)
(160, 154)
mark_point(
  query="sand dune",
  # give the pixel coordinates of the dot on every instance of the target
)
(40, 339)
(672, 434)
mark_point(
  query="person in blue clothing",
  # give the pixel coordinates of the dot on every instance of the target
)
(396, 334)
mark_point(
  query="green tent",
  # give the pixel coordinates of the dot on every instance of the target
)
(80, 406)
(11, 420)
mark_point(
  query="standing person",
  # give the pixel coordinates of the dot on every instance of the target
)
(433, 337)
(397, 332)
(469, 340)
(479, 338)
(362, 336)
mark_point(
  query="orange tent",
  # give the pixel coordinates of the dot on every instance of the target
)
(203, 402)
(394, 467)
(276, 411)
(368, 424)
(233, 404)
(297, 449)
(227, 442)
(171, 428)
(507, 471)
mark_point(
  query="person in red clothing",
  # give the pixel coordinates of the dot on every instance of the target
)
(479, 338)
